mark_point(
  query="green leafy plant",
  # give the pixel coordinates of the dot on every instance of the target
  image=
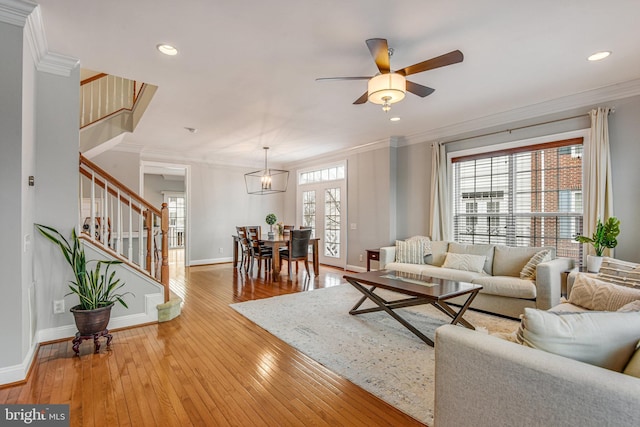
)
(95, 288)
(604, 236)
(271, 219)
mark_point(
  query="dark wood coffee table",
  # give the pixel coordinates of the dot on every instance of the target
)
(421, 289)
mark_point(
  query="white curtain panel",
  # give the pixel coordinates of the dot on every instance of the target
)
(598, 196)
(440, 218)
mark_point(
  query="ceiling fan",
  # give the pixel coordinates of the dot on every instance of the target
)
(388, 86)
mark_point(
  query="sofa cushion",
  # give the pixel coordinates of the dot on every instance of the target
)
(633, 366)
(605, 339)
(406, 267)
(594, 294)
(620, 272)
(438, 253)
(426, 243)
(486, 250)
(465, 262)
(529, 270)
(410, 252)
(509, 260)
(507, 286)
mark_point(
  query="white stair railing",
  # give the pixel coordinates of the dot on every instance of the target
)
(104, 95)
(124, 223)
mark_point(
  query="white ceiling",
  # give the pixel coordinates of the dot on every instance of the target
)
(246, 69)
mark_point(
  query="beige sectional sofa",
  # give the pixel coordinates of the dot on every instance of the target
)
(504, 292)
(484, 380)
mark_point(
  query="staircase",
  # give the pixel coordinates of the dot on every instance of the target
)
(110, 107)
(126, 227)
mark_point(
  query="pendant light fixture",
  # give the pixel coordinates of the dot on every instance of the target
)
(267, 180)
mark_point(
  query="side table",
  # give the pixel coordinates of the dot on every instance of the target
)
(372, 255)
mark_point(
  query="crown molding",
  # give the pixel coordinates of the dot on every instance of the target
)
(16, 12)
(579, 100)
(27, 15)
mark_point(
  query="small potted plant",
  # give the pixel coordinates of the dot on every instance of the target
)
(96, 288)
(271, 219)
(603, 237)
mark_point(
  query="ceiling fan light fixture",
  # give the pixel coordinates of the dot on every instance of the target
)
(387, 89)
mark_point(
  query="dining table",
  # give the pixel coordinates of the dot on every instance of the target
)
(276, 243)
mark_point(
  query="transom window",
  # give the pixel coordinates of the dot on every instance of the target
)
(528, 196)
(321, 175)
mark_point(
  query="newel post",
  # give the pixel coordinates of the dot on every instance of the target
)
(164, 229)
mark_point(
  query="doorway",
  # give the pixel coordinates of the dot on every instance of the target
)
(169, 183)
(321, 205)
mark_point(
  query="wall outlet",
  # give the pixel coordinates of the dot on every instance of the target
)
(361, 258)
(221, 250)
(58, 306)
(354, 226)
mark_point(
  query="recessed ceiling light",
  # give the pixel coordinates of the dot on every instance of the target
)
(167, 49)
(395, 119)
(599, 55)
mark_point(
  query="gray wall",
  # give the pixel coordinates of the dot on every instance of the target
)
(155, 185)
(12, 257)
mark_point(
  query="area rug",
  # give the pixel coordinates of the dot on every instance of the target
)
(371, 350)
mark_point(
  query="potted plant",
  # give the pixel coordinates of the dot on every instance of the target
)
(271, 219)
(96, 288)
(603, 237)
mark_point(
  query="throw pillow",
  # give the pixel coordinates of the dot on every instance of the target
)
(409, 252)
(605, 339)
(633, 367)
(594, 294)
(620, 272)
(632, 306)
(529, 270)
(426, 243)
(465, 262)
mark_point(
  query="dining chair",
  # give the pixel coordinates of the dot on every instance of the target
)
(297, 250)
(259, 251)
(245, 246)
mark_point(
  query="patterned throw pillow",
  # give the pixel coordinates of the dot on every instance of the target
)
(409, 252)
(594, 294)
(529, 270)
(426, 243)
(464, 262)
(619, 272)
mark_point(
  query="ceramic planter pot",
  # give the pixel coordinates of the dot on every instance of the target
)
(594, 263)
(91, 322)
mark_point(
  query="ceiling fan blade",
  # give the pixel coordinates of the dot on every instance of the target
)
(437, 62)
(380, 52)
(343, 78)
(363, 99)
(419, 90)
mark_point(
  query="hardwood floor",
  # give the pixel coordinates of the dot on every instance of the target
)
(208, 367)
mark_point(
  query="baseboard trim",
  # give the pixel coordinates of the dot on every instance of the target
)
(356, 268)
(210, 261)
(150, 315)
(18, 373)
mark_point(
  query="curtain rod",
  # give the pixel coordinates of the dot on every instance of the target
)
(611, 111)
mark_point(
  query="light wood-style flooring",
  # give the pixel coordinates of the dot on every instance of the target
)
(208, 367)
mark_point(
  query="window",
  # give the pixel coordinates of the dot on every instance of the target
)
(529, 196)
(327, 174)
(309, 210)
